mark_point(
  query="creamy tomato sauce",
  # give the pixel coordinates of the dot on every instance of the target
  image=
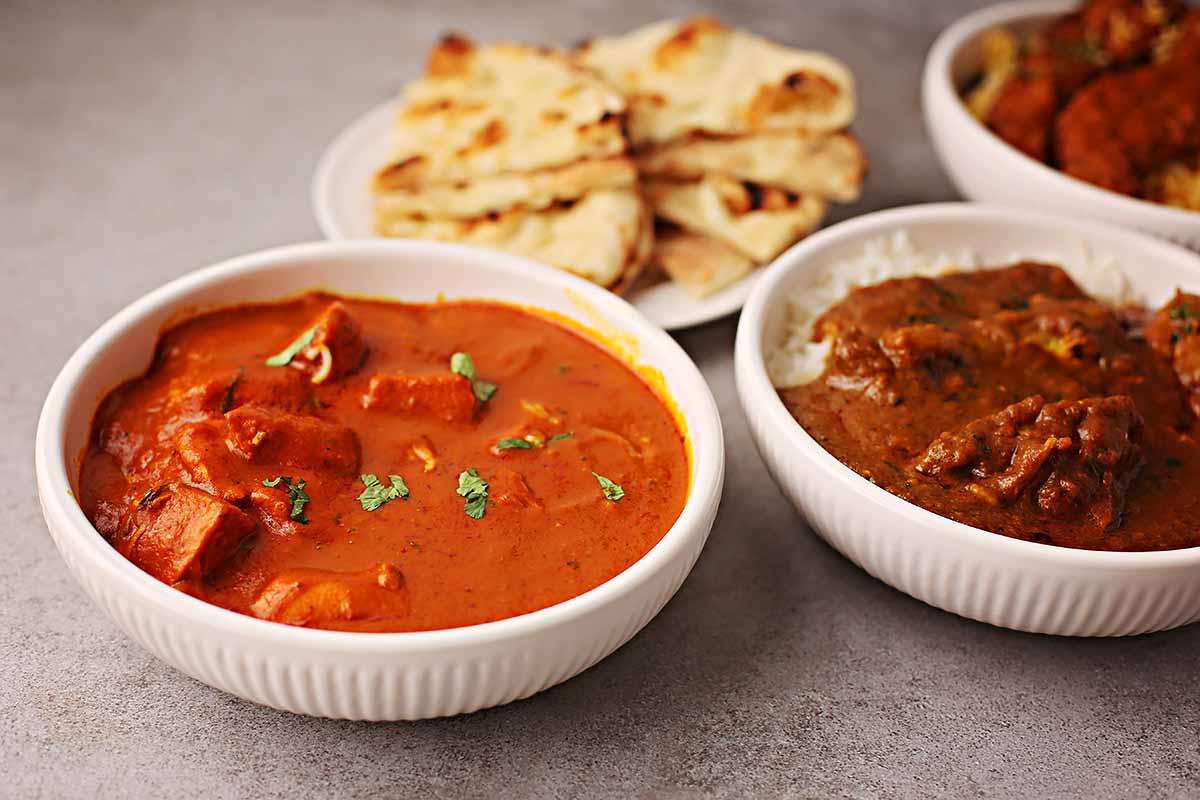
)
(572, 463)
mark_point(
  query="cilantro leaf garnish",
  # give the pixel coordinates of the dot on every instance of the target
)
(285, 356)
(149, 496)
(612, 490)
(511, 442)
(558, 437)
(462, 364)
(296, 494)
(227, 399)
(1183, 312)
(475, 490)
(376, 494)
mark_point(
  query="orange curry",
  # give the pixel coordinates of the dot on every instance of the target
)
(378, 466)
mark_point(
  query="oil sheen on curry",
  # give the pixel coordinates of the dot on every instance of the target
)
(377, 466)
(1009, 400)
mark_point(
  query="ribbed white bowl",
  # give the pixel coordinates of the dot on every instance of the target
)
(980, 575)
(378, 676)
(987, 169)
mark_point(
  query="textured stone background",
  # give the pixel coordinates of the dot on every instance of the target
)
(141, 141)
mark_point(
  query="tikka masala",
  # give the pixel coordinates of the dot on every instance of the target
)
(378, 466)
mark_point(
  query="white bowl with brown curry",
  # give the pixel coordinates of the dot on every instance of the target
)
(987, 435)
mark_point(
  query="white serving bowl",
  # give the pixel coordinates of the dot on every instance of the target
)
(987, 169)
(980, 575)
(378, 676)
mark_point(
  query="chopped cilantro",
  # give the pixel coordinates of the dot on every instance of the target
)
(511, 442)
(475, 490)
(1173, 462)
(612, 490)
(227, 399)
(376, 494)
(149, 496)
(461, 364)
(285, 356)
(296, 494)
(1183, 312)
(558, 437)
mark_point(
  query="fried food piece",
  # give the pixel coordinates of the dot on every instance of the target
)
(1065, 57)
(1126, 125)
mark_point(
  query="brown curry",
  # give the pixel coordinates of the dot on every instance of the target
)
(380, 466)
(1009, 400)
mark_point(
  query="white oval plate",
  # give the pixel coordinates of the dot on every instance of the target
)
(342, 205)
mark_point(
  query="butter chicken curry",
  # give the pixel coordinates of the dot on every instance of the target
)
(378, 466)
(1009, 400)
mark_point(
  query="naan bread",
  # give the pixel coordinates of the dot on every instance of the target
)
(497, 109)
(700, 265)
(698, 76)
(830, 166)
(605, 237)
(529, 191)
(760, 222)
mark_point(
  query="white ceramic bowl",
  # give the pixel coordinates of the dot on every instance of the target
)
(987, 169)
(371, 675)
(981, 575)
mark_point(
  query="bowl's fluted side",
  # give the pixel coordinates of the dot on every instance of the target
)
(373, 675)
(409, 686)
(973, 580)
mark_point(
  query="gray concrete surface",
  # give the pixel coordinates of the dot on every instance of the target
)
(140, 141)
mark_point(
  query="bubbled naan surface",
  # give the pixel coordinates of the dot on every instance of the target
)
(530, 191)
(605, 236)
(697, 75)
(721, 207)
(503, 108)
(827, 165)
(698, 264)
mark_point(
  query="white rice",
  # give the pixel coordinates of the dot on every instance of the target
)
(796, 360)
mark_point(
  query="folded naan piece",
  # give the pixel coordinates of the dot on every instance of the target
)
(531, 191)
(826, 165)
(760, 222)
(497, 109)
(700, 265)
(699, 76)
(605, 236)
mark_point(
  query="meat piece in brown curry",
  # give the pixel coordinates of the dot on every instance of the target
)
(1009, 400)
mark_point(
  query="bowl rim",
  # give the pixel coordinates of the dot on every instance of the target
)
(936, 78)
(58, 500)
(754, 383)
